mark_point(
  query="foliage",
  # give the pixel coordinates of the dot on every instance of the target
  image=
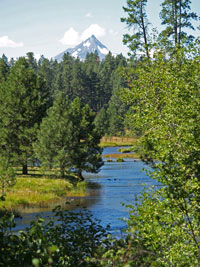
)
(167, 110)
(125, 150)
(67, 239)
(21, 109)
(68, 138)
(101, 121)
(158, 235)
(176, 16)
(4, 68)
(136, 19)
(120, 160)
(7, 177)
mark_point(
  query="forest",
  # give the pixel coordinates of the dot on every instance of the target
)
(57, 113)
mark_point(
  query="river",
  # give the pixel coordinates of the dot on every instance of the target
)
(118, 182)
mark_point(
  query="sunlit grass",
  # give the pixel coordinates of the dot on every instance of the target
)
(117, 141)
(124, 155)
(37, 189)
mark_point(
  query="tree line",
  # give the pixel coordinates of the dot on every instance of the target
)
(161, 96)
(32, 90)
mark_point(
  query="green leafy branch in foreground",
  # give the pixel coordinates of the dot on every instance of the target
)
(157, 235)
(165, 106)
(67, 239)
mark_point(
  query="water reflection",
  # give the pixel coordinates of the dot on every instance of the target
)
(120, 182)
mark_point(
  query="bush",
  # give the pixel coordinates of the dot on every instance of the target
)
(67, 239)
(120, 160)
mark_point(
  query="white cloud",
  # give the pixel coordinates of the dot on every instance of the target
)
(71, 37)
(112, 32)
(93, 29)
(88, 15)
(6, 42)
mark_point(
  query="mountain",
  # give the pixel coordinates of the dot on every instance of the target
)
(90, 45)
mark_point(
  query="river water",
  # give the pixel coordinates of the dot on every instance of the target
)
(118, 182)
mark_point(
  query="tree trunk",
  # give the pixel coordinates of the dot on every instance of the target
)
(180, 17)
(175, 23)
(25, 169)
(80, 176)
(62, 171)
(146, 46)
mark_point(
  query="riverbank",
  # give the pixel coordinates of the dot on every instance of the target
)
(122, 156)
(123, 152)
(37, 189)
(114, 141)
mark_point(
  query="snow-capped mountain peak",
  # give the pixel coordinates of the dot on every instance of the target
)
(90, 45)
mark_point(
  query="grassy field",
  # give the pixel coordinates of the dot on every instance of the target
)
(114, 141)
(122, 156)
(38, 188)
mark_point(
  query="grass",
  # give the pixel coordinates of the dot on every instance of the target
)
(121, 156)
(125, 150)
(120, 160)
(38, 188)
(117, 141)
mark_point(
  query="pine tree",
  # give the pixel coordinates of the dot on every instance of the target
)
(101, 121)
(67, 74)
(105, 73)
(116, 108)
(20, 111)
(137, 20)
(4, 68)
(176, 15)
(67, 137)
(77, 80)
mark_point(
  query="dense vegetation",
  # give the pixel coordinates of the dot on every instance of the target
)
(29, 95)
(161, 100)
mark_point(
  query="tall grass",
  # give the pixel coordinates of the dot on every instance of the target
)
(110, 141)
(36, 188)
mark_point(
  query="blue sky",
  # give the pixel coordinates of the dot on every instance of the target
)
(48, 27)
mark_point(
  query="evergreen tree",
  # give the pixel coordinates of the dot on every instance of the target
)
(57, 83)
(31, 60)
(46, 71)
(176, 15)
(101, 121)
(67, 137)
(20, 111)
(137, 20)
(91, 63)
(105, 73)
(77, 80)
(67, 74)
(91, 81)
(116, 108)
(85, 152)
(92, 89)
(55, 136)
(4, 68)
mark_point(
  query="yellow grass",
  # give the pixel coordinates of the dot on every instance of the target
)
(31, 190)
(121, 156)
(107, 141)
